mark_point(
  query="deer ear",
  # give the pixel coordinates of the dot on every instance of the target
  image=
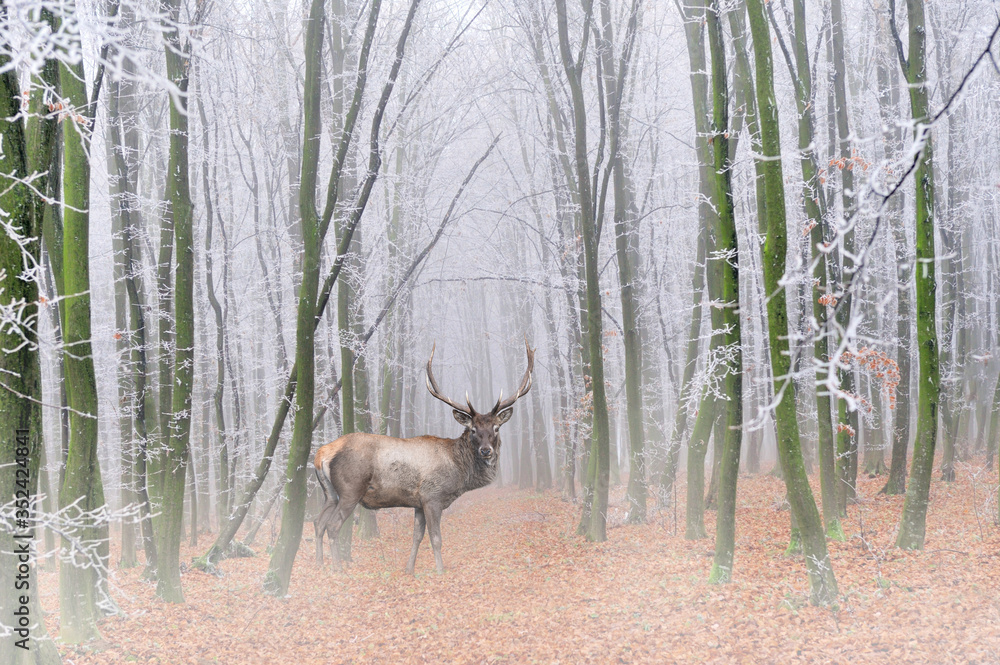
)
(504, 416)
(464, 419)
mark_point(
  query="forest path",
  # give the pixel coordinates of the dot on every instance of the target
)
(521, 587)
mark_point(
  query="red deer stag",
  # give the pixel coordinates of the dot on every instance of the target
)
(426, 473)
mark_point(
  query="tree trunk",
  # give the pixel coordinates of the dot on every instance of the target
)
(726, 245)
(954, 330)
(280, 569)
(888, 103)
(225, 500)
(119, 192)
(694, 517)
(543, 469)
(912, 524)
(389, 415)
(348, 375)
(803, 506)
(718, 438)
(524, 476)
(194, 497)
(875, 444)
(367, 521)
(694, 21)
(681, 420)
(570, 263)
(81, 581)
(615, 76)
(123, 144)
(994, 438)
(312, 301)
(178, 437)
(709, 410)
(815, 207)
(599, 465)
(233, 357)
(745, 99)
(43, 156)
(849, 423)
(20, 409)
(346, 292)
(164, 345)
(141, 399)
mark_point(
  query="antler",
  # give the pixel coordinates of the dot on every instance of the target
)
(525, 386)
(432, 386)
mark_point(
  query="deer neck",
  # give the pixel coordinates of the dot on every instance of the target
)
(479, 473)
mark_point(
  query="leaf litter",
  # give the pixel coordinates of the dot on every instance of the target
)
(521, 587)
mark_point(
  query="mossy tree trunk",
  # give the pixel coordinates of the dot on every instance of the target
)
(694, 22)
(159, 435)
(912, 524)
(312, 301)
(20, 411)
(823, 584)
(43, 156)
(694, 509)
(710, 407)
(280, 569)
(727, 256)
(815, 206)
(80, 581)
(718, 441)
(746, 102)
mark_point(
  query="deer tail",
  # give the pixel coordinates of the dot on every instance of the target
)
(322, 475)
(330, 498)
(322, 485)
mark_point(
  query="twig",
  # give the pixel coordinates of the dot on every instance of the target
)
(975, 506)
(251, 620)
(945, 549)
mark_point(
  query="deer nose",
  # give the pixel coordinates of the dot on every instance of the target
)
(485, 451)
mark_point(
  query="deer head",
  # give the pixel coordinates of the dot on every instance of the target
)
(483, 429)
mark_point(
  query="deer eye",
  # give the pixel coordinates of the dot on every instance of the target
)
(496, 429)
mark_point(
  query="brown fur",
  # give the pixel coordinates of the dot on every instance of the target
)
(426, 473)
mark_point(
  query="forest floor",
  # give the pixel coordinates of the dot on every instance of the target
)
(521, 587)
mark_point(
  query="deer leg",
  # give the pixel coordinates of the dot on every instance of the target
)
(419, 522)
(434, 527)
(339, 515)
(320, 524)
(319, 538)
